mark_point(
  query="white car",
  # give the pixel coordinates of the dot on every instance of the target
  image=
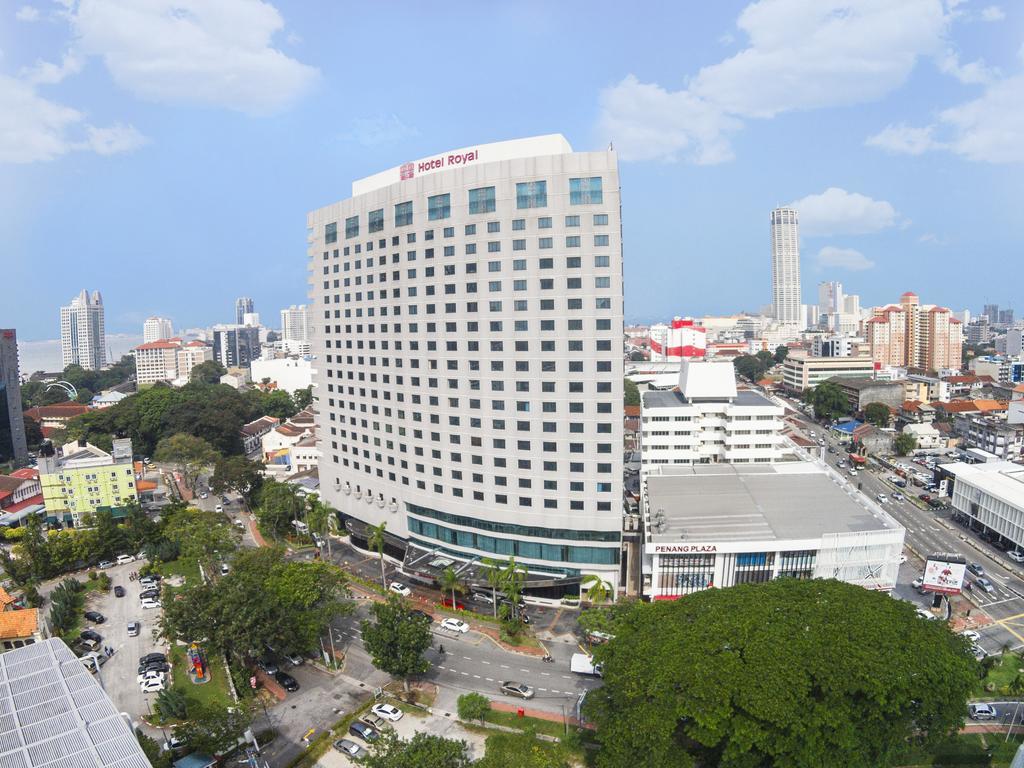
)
(1016, 555)
(399, 588)
(125, 559)
(203, 495)
(982, 712)
(160, 676)
(151, 686)
(218, 508)
(971, 635)
(387, 711)
(882, 498)
(455, 625)
(897, 496)
(150, 602)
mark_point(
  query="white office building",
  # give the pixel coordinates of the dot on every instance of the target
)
(719, 525)
(990, 498)
(156, 328)
(288, 373)
(469, 370)
(785, 234)
(295, 323)
(83, 336)
(706, 420)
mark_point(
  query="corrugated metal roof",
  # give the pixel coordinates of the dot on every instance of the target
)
(54, 714)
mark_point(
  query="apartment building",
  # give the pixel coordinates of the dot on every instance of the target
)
(79, 479)
(468, 311)
(168, 360)
(83, 339)
(915, 335)
(706, 420)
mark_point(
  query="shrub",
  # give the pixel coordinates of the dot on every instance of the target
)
(473, 706)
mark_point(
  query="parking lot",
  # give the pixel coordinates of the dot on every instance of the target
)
(406, 728)
(118, 675)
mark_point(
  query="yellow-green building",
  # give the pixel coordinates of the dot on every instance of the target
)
(79, 478)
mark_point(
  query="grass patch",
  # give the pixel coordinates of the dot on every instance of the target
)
(522, 640)
(215, 692)
(1000, 676)
(511, 720)
(508, 748)
(966, 749)
(187, 569)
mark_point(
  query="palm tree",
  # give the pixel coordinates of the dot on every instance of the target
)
(512, 583)
(450, 581)
(376, 541)
(495, 578)
(598, 590)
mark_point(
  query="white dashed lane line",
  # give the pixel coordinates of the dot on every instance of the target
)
(484, 662)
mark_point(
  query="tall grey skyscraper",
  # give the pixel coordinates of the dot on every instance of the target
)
(156, 328)
(235, 346)
(12, 423)
(83, 336)
(243, 306)
(470, 386)
(785, 229)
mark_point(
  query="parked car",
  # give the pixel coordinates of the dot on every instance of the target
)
(268, 665)
(513, 688)
(152, 686)
(900, 483)
(399, 588)
(984, 584)
(971, 635)
(976, 569)
(173, 743)
(387, 711)
(133, 628)
(917, 583)
(106, 564)
(293, 658)
(1016, 555)
(125, 559)
(483, 597)
(418, 614)
(95, 617)
(118, 591)
(151, 675)
(91, 634)
(225, 569)
(936, 504)
(457, 605)
(218, 508)
(149, 594)
(286, 681)
(349, 747)
(203, 495)
(455, 625)
(155, 656)
(150, 602)
(363, 731)
(924, 497)
(982, 712)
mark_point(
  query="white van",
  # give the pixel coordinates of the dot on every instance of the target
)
(125, 559)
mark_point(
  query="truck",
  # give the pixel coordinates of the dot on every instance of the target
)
(582, 664)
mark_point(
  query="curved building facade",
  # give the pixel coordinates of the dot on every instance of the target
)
(467, 318)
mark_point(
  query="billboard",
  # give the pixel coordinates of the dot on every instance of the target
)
(944, 573)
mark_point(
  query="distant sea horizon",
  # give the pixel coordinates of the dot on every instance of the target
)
(45, 355)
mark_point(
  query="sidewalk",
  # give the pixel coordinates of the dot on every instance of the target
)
(537, 714)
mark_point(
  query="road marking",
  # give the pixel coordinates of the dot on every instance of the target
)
(566, 677)
(504, 666)
(466, 674)
(523, 670)
(489, 679)
(547, 674)
(467, 658)
(484, 662)
(542, 689)
(441, 666)
(477, 676)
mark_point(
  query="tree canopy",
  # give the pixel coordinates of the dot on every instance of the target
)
(277, 505)
(34, 392)
(877, 414)
(905, 443)
(213, 729)
(631, 392)
(829, 401)
(191, 454)
(796, 673)
(397, 638)
(238, 474)
(423, 750)
(263, 600)
(753, 367)
(207, 372)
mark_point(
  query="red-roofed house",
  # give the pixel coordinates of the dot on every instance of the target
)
(168, 360)
(51, 417)
(15, 490)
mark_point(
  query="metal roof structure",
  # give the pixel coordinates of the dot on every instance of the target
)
(53, 712)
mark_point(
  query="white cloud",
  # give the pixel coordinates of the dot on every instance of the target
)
(987, 129)
(374, 131)
(35, 129)
(800, 56)
(843, 258)
(992, 13)
(48, 73)
(194, 51)
(27, 13)
(972, 73)
(901, 138)
(931, 238)
(838, 212)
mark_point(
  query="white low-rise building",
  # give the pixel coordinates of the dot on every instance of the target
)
(288, 373)
(928, 437)
(718, 525)
(706, 420)
(989, 497)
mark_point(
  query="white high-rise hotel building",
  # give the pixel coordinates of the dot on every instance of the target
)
(469, 313)
(785, 230)
(83, 336)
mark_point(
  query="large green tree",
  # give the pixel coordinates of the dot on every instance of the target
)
(750, 367)
(208, 372)
(190, 454)
(264, 600)
(877, 414)
(213, 729)
(796, 673)
(829, 401)
(397, 638)
(198, 534)
(905, 443)
(238, 474)
(781, 353)
(423, 750)
(631, 392)
(278, 505)
(303, 397)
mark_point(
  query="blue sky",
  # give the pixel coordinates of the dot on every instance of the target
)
(166, 151)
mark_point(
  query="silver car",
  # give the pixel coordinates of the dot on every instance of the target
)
(349, 747)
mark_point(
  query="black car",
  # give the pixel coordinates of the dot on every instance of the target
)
(417, 614)
(95, 617)
(119, 591)
(268, 665)
(936, 504)
(156, 656)
(286, 681)
(153, 593)
(89, 634)
(363, 731)
(154, 666)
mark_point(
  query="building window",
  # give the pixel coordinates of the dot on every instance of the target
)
(351, 227)
(572, 241)
(683, 574)
(403, 214)
(375, 221)
(572, 221)
(600, 219)
(600, 240)
(532, 194)
(439, 207)
(331, 232)
(481, 200)
(585, 191)
(518, 224)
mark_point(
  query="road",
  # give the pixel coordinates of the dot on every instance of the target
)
(997, 616)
